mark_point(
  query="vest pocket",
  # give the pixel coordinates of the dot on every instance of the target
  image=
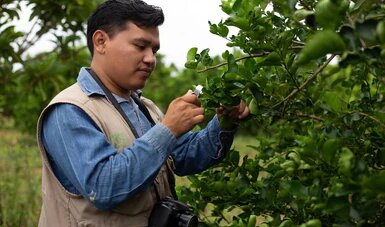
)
(143, 202)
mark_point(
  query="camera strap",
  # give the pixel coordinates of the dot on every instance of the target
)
(146, 113)
(114, 102)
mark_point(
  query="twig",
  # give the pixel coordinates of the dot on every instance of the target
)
(238, 59)
(298, 42)
(25, 41)
(304, 5)
(291, 76)
(312, 77)
(368, 116)
(298, 47)
(310, 116)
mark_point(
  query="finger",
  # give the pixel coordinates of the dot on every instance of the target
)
(245, 113)
(242, 106)
(191, 98)
(219, 110)
(198, 119)
(197, 111)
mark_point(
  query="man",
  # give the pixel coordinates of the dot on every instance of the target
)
(102, 167)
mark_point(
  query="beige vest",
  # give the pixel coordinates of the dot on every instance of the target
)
(62, 208)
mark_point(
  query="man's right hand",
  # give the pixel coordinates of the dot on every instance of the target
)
(183, 114)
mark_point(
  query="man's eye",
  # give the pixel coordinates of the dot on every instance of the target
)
(141, 47)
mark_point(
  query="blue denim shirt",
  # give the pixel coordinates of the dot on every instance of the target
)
(74, 144)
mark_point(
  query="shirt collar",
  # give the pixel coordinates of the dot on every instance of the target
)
(88, 84)
(91, 87)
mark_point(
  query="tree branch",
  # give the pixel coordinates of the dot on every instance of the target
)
(238, 59)
(25, 44)
(313, 117)
(299, 43)
(312, 77)
(369, 116)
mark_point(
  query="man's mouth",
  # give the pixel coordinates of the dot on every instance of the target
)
(148, 70)
(145, 72)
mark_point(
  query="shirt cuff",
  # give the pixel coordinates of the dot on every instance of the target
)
(161, 138)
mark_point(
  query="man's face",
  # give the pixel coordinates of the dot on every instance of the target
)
(129, 57)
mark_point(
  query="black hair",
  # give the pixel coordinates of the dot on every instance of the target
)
(112, 16)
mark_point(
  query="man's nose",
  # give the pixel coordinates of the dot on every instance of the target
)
(149, 58)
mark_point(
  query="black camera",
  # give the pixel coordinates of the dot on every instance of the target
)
(172, 213)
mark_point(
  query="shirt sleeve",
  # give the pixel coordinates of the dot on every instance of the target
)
(197, 151)
(83, 158)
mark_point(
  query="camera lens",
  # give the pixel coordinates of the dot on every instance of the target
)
(187, 220)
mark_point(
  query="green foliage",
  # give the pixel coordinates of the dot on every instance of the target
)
(20, 178)
(28, 82)
(312, 73)
(167, 83)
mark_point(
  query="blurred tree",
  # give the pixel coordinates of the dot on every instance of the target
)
(28, 82)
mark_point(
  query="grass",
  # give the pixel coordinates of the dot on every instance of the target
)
(243, 144)
(20, 177)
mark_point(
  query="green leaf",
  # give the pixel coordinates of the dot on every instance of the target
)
(295, 188)
(367, 31)
(234, 157)
(334, 101)
(239, 22)
(313, 223)
(205, 58)
(375, 183)
(329, 150)
(253, 106)
(272, 59)
(344, 162)
(219, 29)
(301, 14)
(350, 59)
(231, 77)
(191, 64)
(237, 5)
(232, 64)
(339, 206)
(349, 36)
(287, 223)
(380, 30)
(226, 7)
(252, 220)
(329, 13)
(191, 54)
(320, 44)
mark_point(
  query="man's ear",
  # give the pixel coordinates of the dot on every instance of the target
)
(99, 39)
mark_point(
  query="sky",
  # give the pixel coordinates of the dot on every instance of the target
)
(186, 25)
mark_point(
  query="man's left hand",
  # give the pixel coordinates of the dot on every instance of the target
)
(229, 117)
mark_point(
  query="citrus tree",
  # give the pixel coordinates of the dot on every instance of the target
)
(312, 73)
